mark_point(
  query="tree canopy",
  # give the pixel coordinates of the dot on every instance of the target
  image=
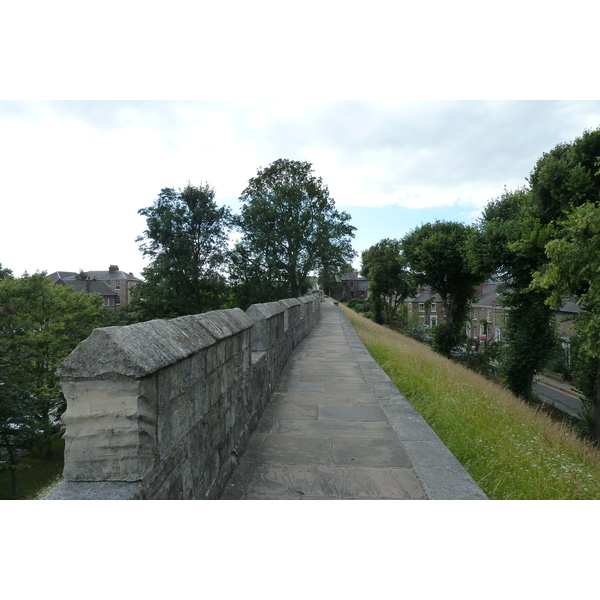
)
(40, 323)
(437, 253)
(186, 239)
(390, 282)
(291, 229)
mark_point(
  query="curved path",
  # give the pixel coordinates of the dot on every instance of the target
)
(338, 428)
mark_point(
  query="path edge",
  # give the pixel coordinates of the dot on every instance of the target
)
(443, 477)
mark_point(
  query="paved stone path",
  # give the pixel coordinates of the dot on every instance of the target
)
(337, 428)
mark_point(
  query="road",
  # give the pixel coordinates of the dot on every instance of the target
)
(560, 400)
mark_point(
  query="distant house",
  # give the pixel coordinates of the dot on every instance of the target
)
(487, 314)
(113, 285)
(351, 285)
(428, 306)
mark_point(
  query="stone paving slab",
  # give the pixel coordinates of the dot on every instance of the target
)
(338, 428)
(261, 480)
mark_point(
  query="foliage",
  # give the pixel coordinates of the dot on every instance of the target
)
(37, 472)
(526, 238)
(437, 253)
(573, 271)
(511, 449)
(390, 282)
(413, 328)
(40, 324)
(509, 245)
(291, 228)
(186, 240)
(4, 272)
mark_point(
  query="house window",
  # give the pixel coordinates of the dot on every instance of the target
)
(421, 307)
(117, 285)
(117, 301)
(433, 307)
(433, 321)
(489, 317)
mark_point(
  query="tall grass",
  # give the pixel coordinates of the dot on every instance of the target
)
(510, 448)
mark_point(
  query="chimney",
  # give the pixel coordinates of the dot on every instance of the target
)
(112, 269)
(88, 285)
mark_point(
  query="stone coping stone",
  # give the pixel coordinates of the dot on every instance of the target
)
(289, 302)
(137, 350)
(265, 310)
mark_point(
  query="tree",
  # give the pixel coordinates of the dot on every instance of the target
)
(437, 253)
(186, 239)
(508, 244)
(573, 272)
(291, 228)
(40, 324)
(390, 282)
(4, 272)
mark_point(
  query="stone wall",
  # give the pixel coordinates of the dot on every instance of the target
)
(164, 409)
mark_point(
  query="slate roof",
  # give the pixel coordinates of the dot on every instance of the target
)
(100, 275)
(97, 287)
(425, 297)
(362, 282)
(57, 275)
(112, 275)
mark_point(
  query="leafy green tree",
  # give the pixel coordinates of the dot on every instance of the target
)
(508, 245)
(40, 324)
(437, 253)
(291, 228)
(4, 272)
(573, 272)
(390, 282)
(186, 239)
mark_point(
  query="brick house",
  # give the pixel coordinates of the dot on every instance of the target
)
(428, 306)
(486, 308)
(352, 285)
(113, 285)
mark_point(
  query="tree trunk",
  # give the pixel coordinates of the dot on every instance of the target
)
(13, 472)
(595, 409)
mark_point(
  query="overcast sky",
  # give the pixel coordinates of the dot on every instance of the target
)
(75, 173)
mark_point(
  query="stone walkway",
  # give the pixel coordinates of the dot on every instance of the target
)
(337, 428)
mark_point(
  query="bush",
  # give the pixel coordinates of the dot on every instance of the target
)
(368, 314)
(356, 304)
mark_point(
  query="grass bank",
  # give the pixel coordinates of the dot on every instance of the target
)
(511, 449)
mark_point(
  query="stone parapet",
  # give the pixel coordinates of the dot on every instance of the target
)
(164, 409)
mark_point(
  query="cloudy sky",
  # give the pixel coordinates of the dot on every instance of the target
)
(75, 173)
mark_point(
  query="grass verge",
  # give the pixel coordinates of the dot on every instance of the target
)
(511, 449)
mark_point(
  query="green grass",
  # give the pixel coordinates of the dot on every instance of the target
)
(511, 449)
(38, 476)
